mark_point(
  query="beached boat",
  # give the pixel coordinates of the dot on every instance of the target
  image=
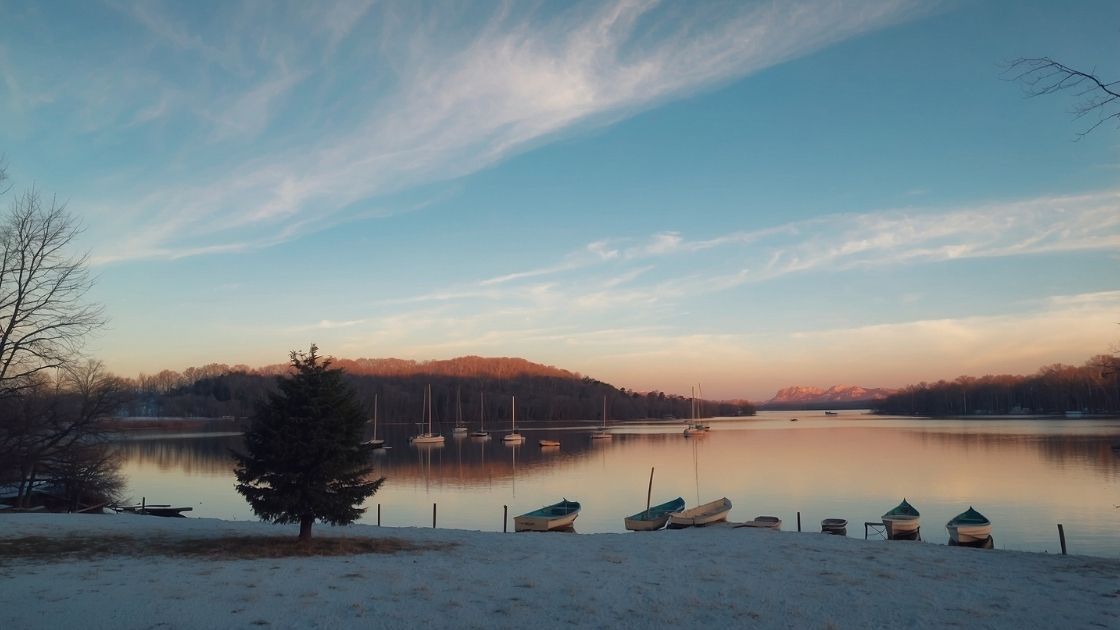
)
(428, 437)
(374, 441)
(710, 512)
(548, 443)
(837, 526)
(513, 436)
(481, 432)
(969, 526)
(655, 517)
(763, 522)
(550, 517)
(150, 509)
(602, 433)
(902, 521)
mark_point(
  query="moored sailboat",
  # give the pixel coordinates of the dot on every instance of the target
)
(513, 436)
(428, 437)
(460, 429)
(602, 433)
(481, 432)
(374, 441)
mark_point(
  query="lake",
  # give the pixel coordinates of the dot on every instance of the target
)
(1026, 475)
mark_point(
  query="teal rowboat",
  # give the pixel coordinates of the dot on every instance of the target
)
(902, 522)
(969, 526)
(556, 516)
(655, 517)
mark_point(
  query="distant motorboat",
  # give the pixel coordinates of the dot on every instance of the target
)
(969, 526)
(793, 419)
(902, 521)
(831, 413)
(710, 512)
(551, 517)
(655, 517)
(763, 522)
(548, 443)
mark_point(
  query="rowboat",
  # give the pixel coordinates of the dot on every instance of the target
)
(655, 517)
(902, 522)
(765, 522)
(969, 526)
(556, 516)
(711, 512)
(838, 526)
(548, 443)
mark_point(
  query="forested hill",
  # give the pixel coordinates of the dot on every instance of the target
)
(543, 392)
(1090, 388)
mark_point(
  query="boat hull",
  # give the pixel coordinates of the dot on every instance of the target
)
(901, 527)
(965, 534)
(836, 526)
(711, 512)
(513, 438)
(764, 522)
(428, 439)
(548, 443)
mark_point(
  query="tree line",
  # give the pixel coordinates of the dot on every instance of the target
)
(543, 393)
(1093, 387)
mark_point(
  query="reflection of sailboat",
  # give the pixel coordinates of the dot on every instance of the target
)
(481, 432)
(602, 433)
(374, 442)
(513, 436)
(460, 429)
(428, 437)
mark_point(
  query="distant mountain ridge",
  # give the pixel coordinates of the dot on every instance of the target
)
(801, 394)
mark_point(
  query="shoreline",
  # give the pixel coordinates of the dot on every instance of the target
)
(471, 579)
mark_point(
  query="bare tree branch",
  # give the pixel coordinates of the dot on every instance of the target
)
(1042, 75)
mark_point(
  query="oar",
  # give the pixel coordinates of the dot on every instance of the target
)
(649, 492)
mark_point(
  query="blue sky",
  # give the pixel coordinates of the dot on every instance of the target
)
(747, 195)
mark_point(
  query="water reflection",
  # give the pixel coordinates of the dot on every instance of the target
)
(1026, 476)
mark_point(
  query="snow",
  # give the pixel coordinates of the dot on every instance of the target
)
(716, 576)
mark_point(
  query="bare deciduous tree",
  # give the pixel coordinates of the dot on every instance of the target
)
(44, 319)
(1100, 100)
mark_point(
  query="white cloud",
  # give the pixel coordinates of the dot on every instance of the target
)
(437, 97)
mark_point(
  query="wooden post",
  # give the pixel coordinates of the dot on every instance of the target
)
(505, 518)
(379, 515)
(433, 516)
(799, 521)
(143, 505)
(1062, 537)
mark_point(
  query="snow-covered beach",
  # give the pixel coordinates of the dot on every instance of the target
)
(717, 577)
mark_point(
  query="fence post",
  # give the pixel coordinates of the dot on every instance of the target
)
(799, 521)
(433, 516)
(505, 518)
(1062, 537)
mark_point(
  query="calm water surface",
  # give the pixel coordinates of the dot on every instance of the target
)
(1024, 475)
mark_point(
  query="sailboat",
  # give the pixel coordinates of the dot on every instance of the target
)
(428, 437)
(695, 427)
(374, 442)
(481, 432)
(460, 428)
(602, 433)
(513, 436)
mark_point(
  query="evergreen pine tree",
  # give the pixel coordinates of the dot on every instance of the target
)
(305, 460)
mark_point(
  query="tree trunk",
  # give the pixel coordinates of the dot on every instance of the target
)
(305, 523)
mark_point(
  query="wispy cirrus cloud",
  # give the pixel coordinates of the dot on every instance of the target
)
(357, 101)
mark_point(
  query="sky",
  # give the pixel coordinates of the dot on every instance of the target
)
(745, 195)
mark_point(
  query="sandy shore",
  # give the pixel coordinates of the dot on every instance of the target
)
(715, 577)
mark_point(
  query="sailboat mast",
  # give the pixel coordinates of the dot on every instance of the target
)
(513, 421)
(375, 416)
(604, 412)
